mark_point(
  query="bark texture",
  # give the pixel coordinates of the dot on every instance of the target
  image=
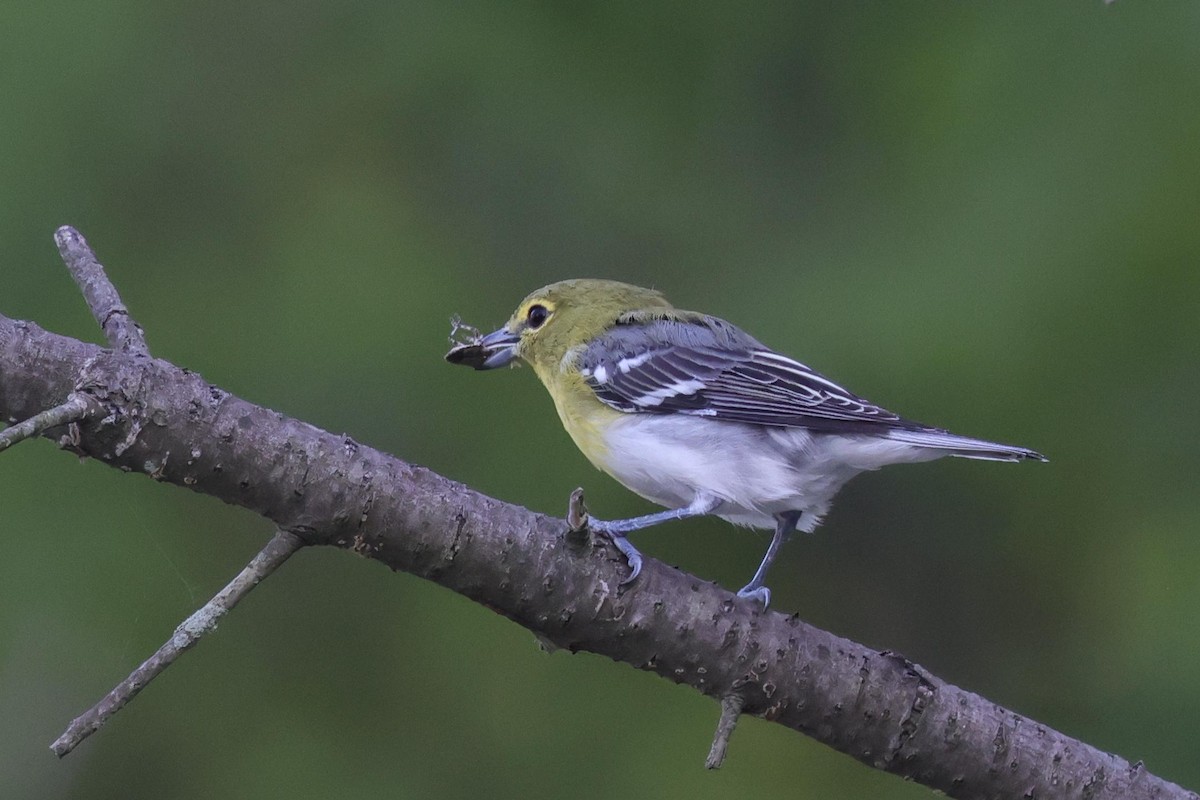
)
(172, 425)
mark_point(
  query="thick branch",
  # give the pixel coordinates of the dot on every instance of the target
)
(328, 489)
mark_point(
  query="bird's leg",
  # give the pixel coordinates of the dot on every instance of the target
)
(785, 523)
(617, 529)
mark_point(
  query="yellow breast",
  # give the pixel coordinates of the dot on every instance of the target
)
(582, 414)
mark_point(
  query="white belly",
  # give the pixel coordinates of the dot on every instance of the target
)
(757, 472)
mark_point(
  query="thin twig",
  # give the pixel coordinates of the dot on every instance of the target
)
(731, 709)
(282, 545)
(74, 409)
(122, 332)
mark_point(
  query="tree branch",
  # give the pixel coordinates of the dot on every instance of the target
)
(731, 709)
(122, 332)
(74, 409)
(205, 620)
(326, 489)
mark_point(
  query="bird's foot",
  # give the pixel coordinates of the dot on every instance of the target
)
(751, 591)
(617, 537)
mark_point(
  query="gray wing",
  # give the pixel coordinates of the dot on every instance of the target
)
(710, 368)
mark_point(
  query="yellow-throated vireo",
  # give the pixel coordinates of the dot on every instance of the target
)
(694, 414)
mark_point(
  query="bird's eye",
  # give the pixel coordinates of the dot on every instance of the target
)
(537, 316)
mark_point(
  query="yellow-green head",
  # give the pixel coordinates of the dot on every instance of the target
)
(562, 319)
(564, 315)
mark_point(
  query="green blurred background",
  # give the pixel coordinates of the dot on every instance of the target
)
(984, 217)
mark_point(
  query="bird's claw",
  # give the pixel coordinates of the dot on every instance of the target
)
(633, 557)
(623, 544)
(760, 593)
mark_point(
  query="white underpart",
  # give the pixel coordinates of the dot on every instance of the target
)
(756, 471)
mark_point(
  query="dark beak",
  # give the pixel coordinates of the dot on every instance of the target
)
(497, 349)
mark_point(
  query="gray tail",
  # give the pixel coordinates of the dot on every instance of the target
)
(963, 446)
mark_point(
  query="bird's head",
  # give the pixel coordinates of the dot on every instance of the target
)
(554, 319)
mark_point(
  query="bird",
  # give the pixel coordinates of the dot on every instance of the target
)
(694, 414)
